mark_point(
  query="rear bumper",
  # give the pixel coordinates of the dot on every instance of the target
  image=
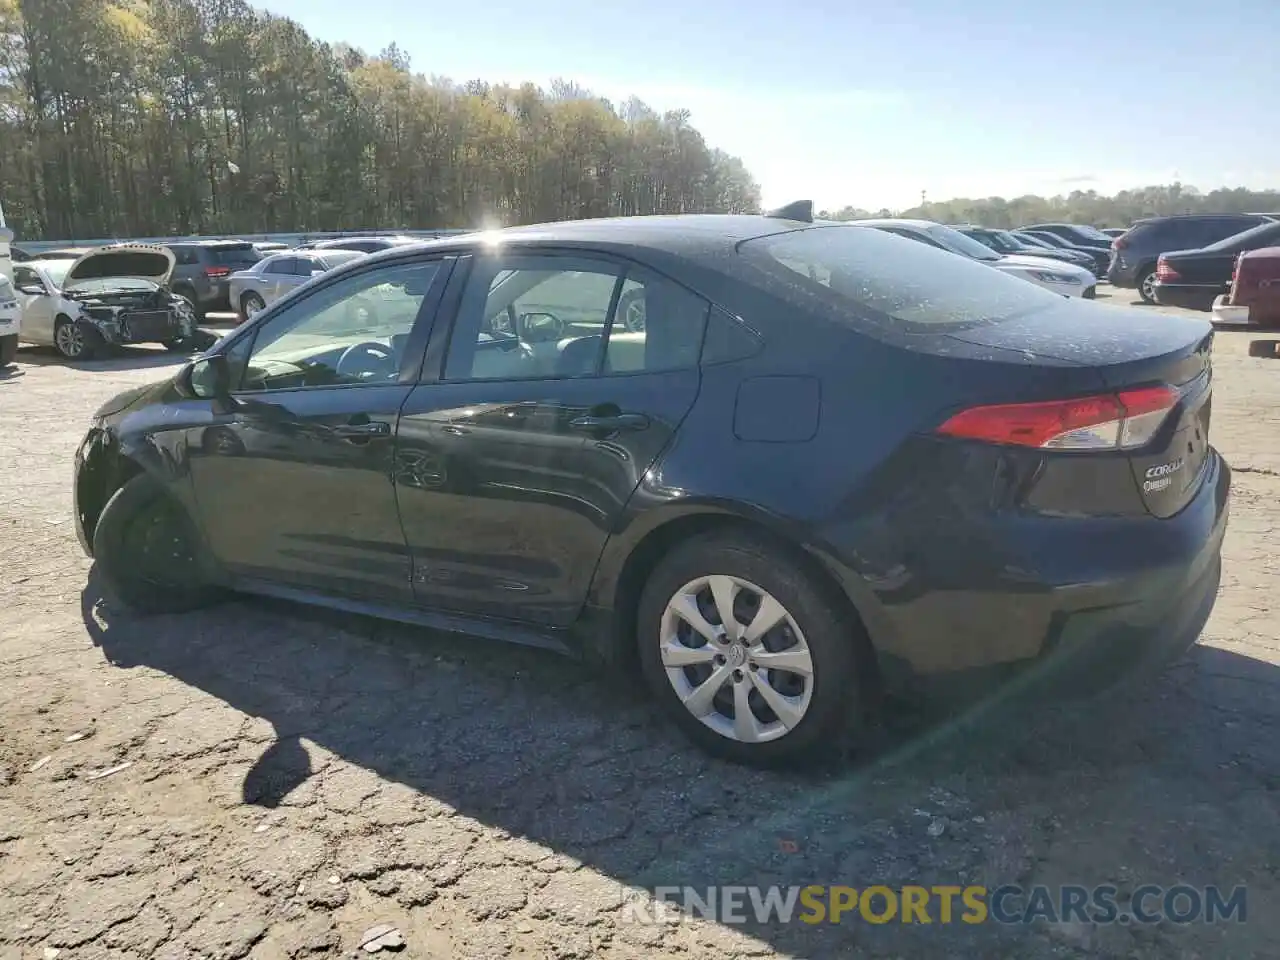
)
(1189, 296)
(1228, 314)
(1063, 601)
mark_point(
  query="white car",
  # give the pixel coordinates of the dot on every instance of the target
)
(6, 253)
(10, 321)
(1057, 276)
(112, 295)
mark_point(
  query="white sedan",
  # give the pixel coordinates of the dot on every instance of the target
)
(114, 294)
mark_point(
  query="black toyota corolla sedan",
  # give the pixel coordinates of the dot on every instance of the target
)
(811, 462)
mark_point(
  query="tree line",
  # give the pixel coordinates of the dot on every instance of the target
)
(1082, 206)
(174, 117)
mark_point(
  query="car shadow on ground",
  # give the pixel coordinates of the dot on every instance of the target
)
(541, 748)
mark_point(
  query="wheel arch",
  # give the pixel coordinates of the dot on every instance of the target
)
(105, 471)
(623, 572)
(109, 464)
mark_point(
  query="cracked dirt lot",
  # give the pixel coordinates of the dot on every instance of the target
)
(295, 778)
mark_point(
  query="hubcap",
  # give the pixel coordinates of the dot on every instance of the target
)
(633, 317)
(70, 340)
(736, 658)
(1149, 286)
(252, 305)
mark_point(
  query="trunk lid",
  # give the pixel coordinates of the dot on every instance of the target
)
(142, 261)
(1128, 349)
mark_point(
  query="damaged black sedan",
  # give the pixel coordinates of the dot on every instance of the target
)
(110, 296)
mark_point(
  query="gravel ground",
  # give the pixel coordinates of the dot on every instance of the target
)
(295, 778)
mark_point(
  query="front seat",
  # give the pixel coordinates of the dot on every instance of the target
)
(578, 357)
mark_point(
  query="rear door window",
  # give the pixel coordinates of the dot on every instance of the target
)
(234, 256)
(860, 273)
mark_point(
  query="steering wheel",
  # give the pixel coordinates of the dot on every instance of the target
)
(355, 360)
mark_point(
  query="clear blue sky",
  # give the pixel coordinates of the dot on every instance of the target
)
(870, 103)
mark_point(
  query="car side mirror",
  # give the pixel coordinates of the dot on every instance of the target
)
(207, 378)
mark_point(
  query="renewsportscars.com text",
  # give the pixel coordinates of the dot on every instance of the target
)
(943, 904)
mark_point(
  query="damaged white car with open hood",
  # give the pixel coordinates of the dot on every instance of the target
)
(111, 296)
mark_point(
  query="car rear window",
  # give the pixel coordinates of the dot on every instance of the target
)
(227, 256)
(877, 277)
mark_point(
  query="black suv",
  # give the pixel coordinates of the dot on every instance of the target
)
(1134, 254)
(203, 267)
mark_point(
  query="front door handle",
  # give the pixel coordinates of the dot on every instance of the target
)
(618, 421)
(363, 431)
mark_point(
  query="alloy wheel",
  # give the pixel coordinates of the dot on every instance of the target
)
(736, 658)
(69, 340)
(1149, 287)
(633, 315)
(252, 307)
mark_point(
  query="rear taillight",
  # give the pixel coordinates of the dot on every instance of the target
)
(1166, 273)
(214, 272)
(1112, 421)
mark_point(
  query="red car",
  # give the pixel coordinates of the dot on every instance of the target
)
(1254, 298)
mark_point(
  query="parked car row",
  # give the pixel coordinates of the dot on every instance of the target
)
(1225, 263)
(1136, 253)
(1057, 275)
(82, 301)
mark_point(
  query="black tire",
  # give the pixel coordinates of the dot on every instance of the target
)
(8, 350)
(245, 301)
(139, 519)
(92, 344)
(842, 684)
(1145, 279)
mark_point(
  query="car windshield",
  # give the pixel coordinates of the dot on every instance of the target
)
(234, 256)
(1091, 233)
(1011, 241)
(56, 270)
(1053, 240)
(957, 242)
(871, 276)
(995, 239)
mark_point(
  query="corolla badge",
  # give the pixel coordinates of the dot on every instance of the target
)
(1161, 475)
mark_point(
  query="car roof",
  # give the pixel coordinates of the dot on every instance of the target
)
(896, 222)
(209, 243)
(689, 235)
(1198, 216)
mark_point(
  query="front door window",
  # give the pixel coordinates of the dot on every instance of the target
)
(353, 332)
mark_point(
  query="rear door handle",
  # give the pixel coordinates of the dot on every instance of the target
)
(363, 431)
(619, 421)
